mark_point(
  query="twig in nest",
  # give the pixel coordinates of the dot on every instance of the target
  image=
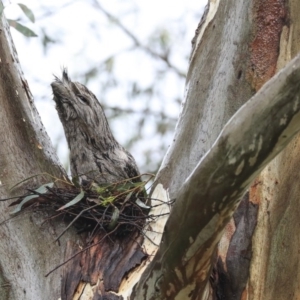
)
(74, 220)
(79, 252)
(92, 205)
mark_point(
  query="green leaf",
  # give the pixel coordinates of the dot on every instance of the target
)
(28, 12)
(114, 219)
(128, 197)
(25, 200)
(99, 189)
(23, 29)
(108, 200)
(129, 185)
(74, 201)
(41, 190)
(141, 204)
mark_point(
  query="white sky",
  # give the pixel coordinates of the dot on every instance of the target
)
(86, 38)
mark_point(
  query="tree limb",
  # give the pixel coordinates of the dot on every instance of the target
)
(137, 42)
(205, 203)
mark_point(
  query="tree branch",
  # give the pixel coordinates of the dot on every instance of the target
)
(255, 134)
(137, 42)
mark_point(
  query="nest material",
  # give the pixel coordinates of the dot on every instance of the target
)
(119, 207)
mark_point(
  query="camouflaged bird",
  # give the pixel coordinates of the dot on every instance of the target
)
(94, 152)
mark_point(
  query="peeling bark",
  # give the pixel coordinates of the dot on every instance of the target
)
(231, 272)
(101, 267)
(254, 136)
(267, 38)
(269, 18)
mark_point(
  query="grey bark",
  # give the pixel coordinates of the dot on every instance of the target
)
(27, 250)
(216, 86)
(233, 57)
(209, 197)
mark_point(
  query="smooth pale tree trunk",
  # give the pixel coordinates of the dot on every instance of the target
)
(27, 249)
(238, 48)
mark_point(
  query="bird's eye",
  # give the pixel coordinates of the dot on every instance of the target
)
(83, 99)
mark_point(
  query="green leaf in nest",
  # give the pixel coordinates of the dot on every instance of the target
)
(74, 201)
(128, 196)
(23, 29)
(108, 200)
(142, 204)
(99, 189)
(41, 190)
(28, 12)
(114, 218)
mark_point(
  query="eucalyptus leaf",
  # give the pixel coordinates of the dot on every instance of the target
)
(107, 200)
(114, 218)
(21, 28)
(128, 197)
(27, 11)
(25, 200)
(41, 190)
(74, 201)
(141, 204)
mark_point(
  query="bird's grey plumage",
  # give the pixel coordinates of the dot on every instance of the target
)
(94, 152)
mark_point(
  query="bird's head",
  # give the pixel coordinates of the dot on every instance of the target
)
(73, 100)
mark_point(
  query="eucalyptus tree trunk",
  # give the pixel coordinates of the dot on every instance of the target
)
(27, 249)
(238, 47)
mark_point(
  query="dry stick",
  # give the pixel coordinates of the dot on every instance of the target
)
(5, 199)
(75, 220)
(40, 174)
(138, 42)
(86, 248)
(144, 234)
(117, 109)
(52, 217)
(93, 234)
(54, 193)
(128, 191)
(107, 235)
(39, 194)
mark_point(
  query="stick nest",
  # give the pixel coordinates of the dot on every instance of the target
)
(118, 208)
